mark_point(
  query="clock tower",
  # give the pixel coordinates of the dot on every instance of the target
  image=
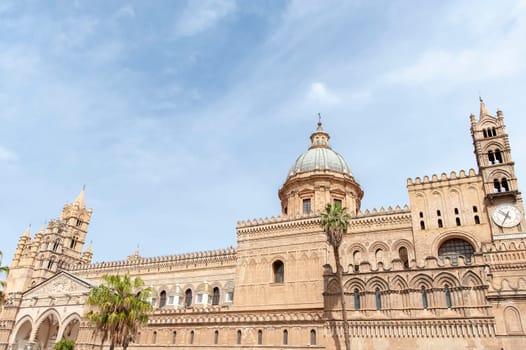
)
(496, 167)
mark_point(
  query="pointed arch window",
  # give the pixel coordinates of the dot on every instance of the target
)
(425, 304)
(278, 269)
(404, 256)
(505, 186)
(447, 293)
(498, 156)
(188, 297)
(491, 157)
(215, 296)
(56, 245)
(378, 298)
(357, 305)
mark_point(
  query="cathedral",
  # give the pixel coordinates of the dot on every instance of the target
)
(446, 272)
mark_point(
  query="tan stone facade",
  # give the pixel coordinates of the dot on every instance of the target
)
(446, 272)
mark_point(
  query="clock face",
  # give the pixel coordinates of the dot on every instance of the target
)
(507, 215)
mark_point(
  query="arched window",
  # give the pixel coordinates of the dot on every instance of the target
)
(162, 299)
(455, 247)
(215, 296)
(50, 263)
(457, 221)
(378, 298)
(238, 336)
(188, 297)
(154, 337)
(403, 255)
(498, 156)
(356, 299)
(192, 334)
(477, 219)
(312, 337)
(494, 131)
(379, 255)
(285, 337)
(422, 225)
(424, 297)
(440, 223)
(260, 337)
(279, 271)
(496, 185)
(73, 242)
(174, 337)
(505, 187)
(56, 245)
(448, 297)
(475, 209)
(491, 157)
(216, 337)
(356, 260)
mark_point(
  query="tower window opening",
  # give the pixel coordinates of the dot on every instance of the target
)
(356, 260)
(477, 219)
(188, 297)
(491, 157)
(505, 187)
(285, 210)
(285, 337)
(475, 210)
(484, 132)
(78, 223)
(421, 214)
(456, 211)
(56, 245)
(457, 220)
(278, 269)
(378, 298)
(260, 337)
(73, 242)
(440, 224)
(162, 299)
(439, 213)
(50, 264)
(306, 206)
(498, 156)
(215, 296)
(496, 185)
(493, 132)
(402, 254)
(312, 337)
(422, 225)
(356, 299)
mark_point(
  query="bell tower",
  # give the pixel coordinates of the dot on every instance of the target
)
(53, 248)
(497, 169)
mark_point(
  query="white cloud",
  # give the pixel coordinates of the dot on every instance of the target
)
(7, 155)
(199, 16)
(319, 93)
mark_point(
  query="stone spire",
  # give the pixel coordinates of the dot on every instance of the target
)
(27, 232)
(80, 200)
(319, 138)
(483, 110)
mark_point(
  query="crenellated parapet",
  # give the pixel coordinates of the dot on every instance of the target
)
(374, 220)
(443, 179)
(194, 259)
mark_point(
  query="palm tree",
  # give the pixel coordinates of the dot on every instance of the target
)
(119, 308)
(335, 221)
(3, 269)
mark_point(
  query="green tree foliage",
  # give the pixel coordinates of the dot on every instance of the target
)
(64, 344)
(335, 221)
(119, 307)
(4, 270)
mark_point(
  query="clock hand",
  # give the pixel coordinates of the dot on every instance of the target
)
(506, 217)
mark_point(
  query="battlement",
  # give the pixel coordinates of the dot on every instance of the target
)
(443, 178)
(186, 258)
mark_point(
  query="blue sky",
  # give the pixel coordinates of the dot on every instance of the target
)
(184, 117)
